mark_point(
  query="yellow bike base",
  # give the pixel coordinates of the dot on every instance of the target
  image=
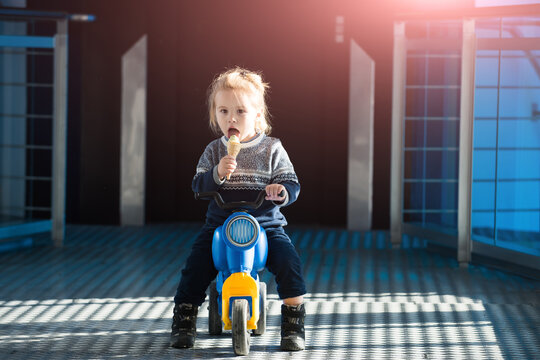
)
(240, 284)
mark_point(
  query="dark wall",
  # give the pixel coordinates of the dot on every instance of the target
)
(293, 43)
(294, 46)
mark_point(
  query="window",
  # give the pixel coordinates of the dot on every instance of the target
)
(506, 157)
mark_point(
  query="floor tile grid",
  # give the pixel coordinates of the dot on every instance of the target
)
(382, 323)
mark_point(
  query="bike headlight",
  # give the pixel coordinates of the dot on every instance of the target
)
(242, 231)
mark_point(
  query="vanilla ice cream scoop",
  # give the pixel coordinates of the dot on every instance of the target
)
(233, 148)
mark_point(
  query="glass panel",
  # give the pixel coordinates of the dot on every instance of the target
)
(518, 102)
(40, 192)
(518, 133)
(432, 102)
(13, 101)
(442, 220)
(431, 164)
(414, 133)
(444, 70)
(483, 226)
(441, 195)
(518, 164)
(39, 162)
(485, 103)
(512, 195)
(517, 221)
(433, 29)
(487, 64)
(436, 68)
(482, 196)
(414, 196)
(41, 100)
(442, 133)
(506, 142)
(414, 164)
(27, 78)
(506, 159)
(518, 230)
(415, 102)
(484, 165)
(443, 102)
(488, 28)
(525, 27)
(413, 218)
(43, 62)
(40, 131)
(416, 68)
(445, 29)
(437, 133)
(488, 129)
(520, 68)
(431, 129)
(431, 203)
(486, 3)
(483, 185)
(442, 164)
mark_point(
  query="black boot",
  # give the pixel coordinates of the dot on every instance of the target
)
(184, 326)
(293, 336)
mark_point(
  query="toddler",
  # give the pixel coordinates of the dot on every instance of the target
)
(237, 106)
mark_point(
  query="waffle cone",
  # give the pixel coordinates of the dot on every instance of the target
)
(233, 148)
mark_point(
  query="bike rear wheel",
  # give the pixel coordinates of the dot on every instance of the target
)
(214, 320)
(261, 324)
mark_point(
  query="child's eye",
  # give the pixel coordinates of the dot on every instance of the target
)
(241, 111)
(223, 111)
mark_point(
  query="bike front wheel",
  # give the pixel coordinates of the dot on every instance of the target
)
(240, 334)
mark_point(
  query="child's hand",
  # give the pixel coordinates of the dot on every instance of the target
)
(273, 191)
(226, 166)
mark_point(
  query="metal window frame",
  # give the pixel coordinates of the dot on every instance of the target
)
(26, 228)
(398, 116)
(462, 239)
(468, 58)
(59, 133)
(59, 44)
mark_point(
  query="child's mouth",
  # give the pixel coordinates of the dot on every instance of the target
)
(233, 131)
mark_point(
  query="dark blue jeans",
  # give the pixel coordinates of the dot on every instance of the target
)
(283, 261)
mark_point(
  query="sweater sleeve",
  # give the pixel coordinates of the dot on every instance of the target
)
(283, 173)
(293, 190)
(206, 177)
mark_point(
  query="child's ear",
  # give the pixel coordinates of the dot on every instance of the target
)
(259, 122)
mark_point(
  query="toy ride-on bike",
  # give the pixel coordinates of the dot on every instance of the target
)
(239, 250)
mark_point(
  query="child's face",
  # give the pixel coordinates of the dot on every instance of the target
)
(236, 113)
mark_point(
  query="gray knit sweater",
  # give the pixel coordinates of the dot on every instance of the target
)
(260, 162)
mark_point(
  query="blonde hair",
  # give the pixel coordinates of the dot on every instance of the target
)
(243, 80)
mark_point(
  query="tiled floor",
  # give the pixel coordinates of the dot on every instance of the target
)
(107, 295)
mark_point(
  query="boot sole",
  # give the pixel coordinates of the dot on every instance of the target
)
(181, 346)
(180, 343)
(293, 345)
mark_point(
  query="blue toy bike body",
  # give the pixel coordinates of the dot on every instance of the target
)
(239, 251)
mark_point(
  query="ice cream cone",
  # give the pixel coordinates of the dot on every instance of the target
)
(233, 148)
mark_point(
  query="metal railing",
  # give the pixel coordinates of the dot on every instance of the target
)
(53, 44)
